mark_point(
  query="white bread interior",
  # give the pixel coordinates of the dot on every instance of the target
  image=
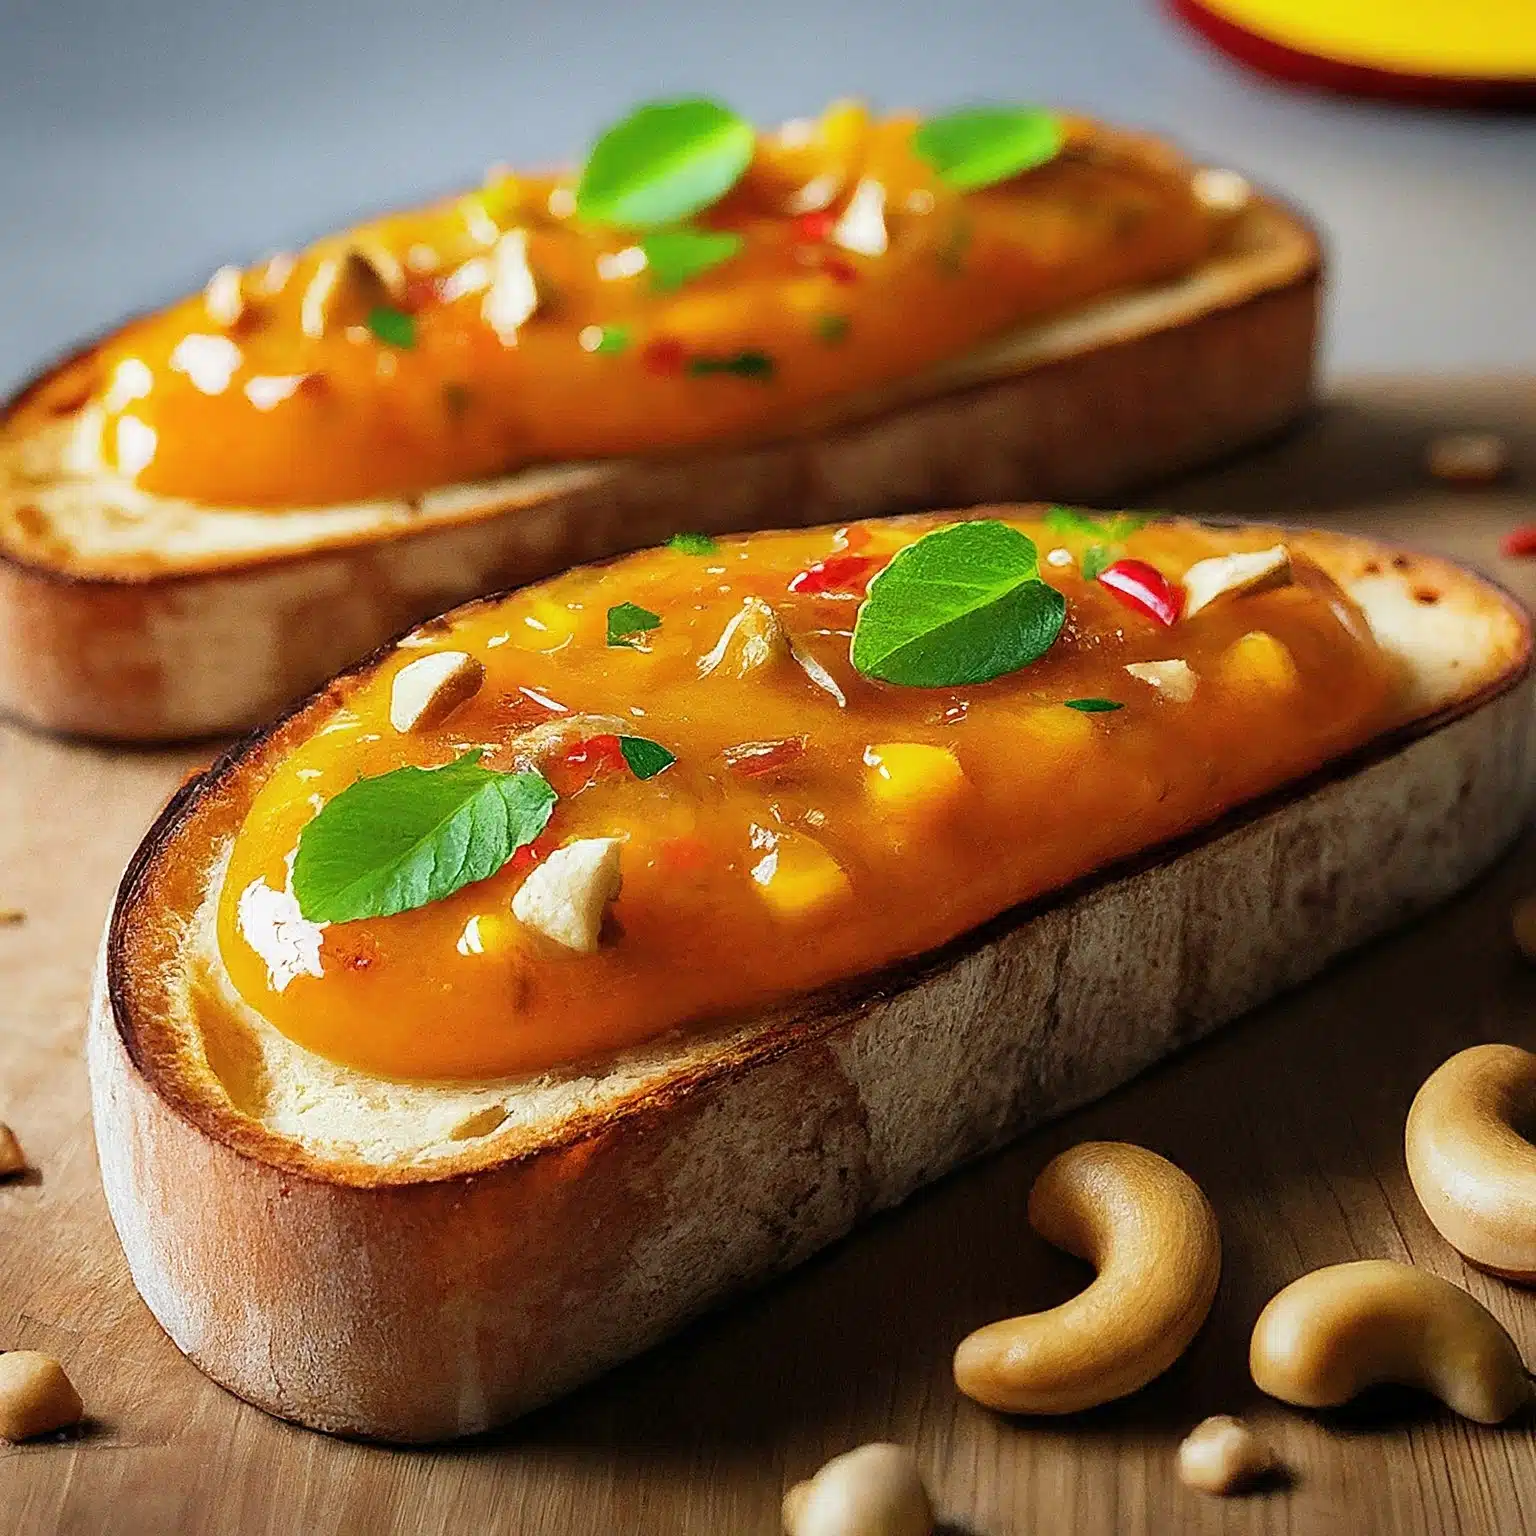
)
(605, 1206)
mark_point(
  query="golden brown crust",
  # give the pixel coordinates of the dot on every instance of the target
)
(155, 645)
(420, 1304)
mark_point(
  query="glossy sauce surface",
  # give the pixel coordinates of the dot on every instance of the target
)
(795, 841)
(260, 411)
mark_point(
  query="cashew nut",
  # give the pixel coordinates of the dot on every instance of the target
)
(36, 1397)
(1152, 1236)
(12, 1159)
(875, 1490)
(1331, 1334)
(1473, 1171)
(1222, 1455)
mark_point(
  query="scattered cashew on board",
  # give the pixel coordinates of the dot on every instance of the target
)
(1472, 1169)
(1152, 1236)
(1330, 1335)
(875, 1490)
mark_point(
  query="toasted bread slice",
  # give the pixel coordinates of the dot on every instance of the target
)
(420, 1260)
(131, 617)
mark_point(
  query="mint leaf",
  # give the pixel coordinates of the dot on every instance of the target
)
(1093, 706)
(676, 256)
(692, 543)
(981, 146)
(646, 758)
(404, 839)
(963, 604)
(663, 163)
(628, 620)
(392, 326)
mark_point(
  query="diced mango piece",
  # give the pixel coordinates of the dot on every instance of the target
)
(1053, 734)
(912, 778)
(797, 876)
(544, 626)
(1259, 660)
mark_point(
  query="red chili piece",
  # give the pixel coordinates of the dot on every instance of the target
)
(1144, 588)
(529, 855)
(814, 226)
(664, 354)
(1519, 541)
(837, 573)
(840, 271)
(599, 753)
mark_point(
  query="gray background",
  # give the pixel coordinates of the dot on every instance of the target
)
(143, 142)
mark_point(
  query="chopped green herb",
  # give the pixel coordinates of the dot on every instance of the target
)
(745, 365)
(1093, 706)
(392, 326)
(1097, 559)
(627, 621)
(607, 340)
(646, 758)
(677, 256)
(456, 400)
(1114, 528)
(981, 146)
(693, 543)
(832, 328)
(1108, 535)
(404, 839)
(963, 604)
(663, 163)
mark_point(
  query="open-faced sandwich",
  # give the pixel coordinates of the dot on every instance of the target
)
(599, 949)
(211, 510)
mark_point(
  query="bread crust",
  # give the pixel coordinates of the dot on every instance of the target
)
(190, 636)
(425, 1302)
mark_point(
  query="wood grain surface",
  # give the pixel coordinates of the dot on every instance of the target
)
(1291, 1120)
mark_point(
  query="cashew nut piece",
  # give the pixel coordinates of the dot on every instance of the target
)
(1222, 1455)
(1331, 1334)
(875, 1490)
(36, 1397)
(1473, 1171)
(1152, 1236)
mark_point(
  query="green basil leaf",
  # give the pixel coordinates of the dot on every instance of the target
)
(1117, 526)
(646, 758)
(664, 163)
(981, 146)
(407, 838)
(627, 620)
(962, 604)
(392, 326)
(677, 256)
(692, 543)
(1093, 706)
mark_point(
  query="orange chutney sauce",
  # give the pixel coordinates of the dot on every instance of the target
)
(307, 398)
(752, 869)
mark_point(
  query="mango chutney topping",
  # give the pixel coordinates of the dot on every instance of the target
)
(696, 801)
(519, 325)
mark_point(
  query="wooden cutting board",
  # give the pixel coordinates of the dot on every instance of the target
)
(1291, 1120)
